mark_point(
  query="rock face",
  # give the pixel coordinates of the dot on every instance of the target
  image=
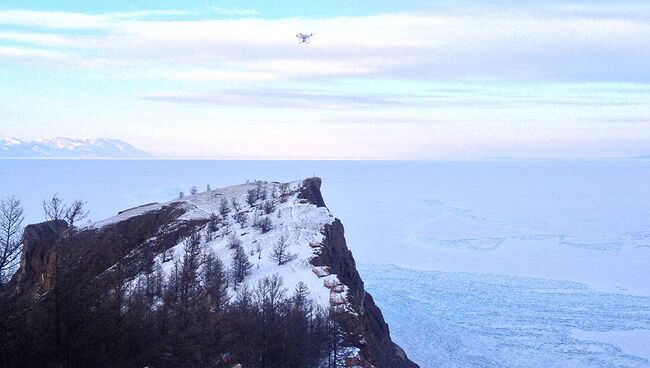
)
(310, 191)
(136, 238)
(376, 345)
(133, 242)
(39, 256)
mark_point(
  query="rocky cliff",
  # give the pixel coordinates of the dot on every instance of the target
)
(140, 239)
(368, 322)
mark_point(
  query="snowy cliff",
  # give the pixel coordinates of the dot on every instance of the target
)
(257, 216)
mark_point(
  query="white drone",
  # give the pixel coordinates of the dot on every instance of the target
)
(304, 37)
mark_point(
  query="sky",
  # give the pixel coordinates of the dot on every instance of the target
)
(413, 80)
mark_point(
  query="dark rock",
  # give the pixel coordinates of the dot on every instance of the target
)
(368, 331)
(39, 257)
(49, 247)
(311, 191)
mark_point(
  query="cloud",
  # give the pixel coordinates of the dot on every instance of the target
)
(276, 98)
(233, 12)
(417, 98)
(54, 20)
(57, 20)
(219, 75)
(47, 57)
(560, 44)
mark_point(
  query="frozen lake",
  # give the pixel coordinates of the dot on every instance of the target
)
(542, 236)
(468, 320)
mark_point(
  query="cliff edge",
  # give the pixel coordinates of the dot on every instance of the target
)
(257, 216)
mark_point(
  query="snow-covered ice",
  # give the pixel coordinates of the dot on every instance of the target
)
(526, 253)
(633, 342)
(453, 320)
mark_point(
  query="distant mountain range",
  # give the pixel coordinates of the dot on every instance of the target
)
(61, 147)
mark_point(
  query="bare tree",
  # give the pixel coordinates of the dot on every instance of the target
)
(236, 206)
(336, 348)
(11, 220)
(301, 295)
(251, 197)
(268, 206)
(224, 208)
(240, 267)
(234, 241)
(258, 188)
(281, 253)
(189, 271)
(284, 189)
(241, 218)
(264, 224)
(259, 191)
(274, 192)
(75, 212)
(269, 293)
(214, 280)
(284, 192)
(213, 223)
(54, 209)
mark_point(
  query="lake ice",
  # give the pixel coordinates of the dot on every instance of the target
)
(499, 264)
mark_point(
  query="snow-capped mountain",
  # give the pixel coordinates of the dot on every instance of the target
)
(61, 147)
(247, 220)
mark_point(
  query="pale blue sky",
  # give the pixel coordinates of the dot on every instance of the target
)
(381, 79)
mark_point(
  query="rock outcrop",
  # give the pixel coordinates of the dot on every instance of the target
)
(368, 322)
(136, 239)
(39, 256)
(132, 242)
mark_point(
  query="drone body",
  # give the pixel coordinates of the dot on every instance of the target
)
(304, 37)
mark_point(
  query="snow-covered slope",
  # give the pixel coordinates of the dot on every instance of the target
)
(298, 217)
(68, 148)
(299, 222)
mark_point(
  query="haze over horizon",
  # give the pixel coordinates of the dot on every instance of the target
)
(387, 80)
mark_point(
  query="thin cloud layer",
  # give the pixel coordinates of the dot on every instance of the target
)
(263, 98)
(463, 79)
(564, 45)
